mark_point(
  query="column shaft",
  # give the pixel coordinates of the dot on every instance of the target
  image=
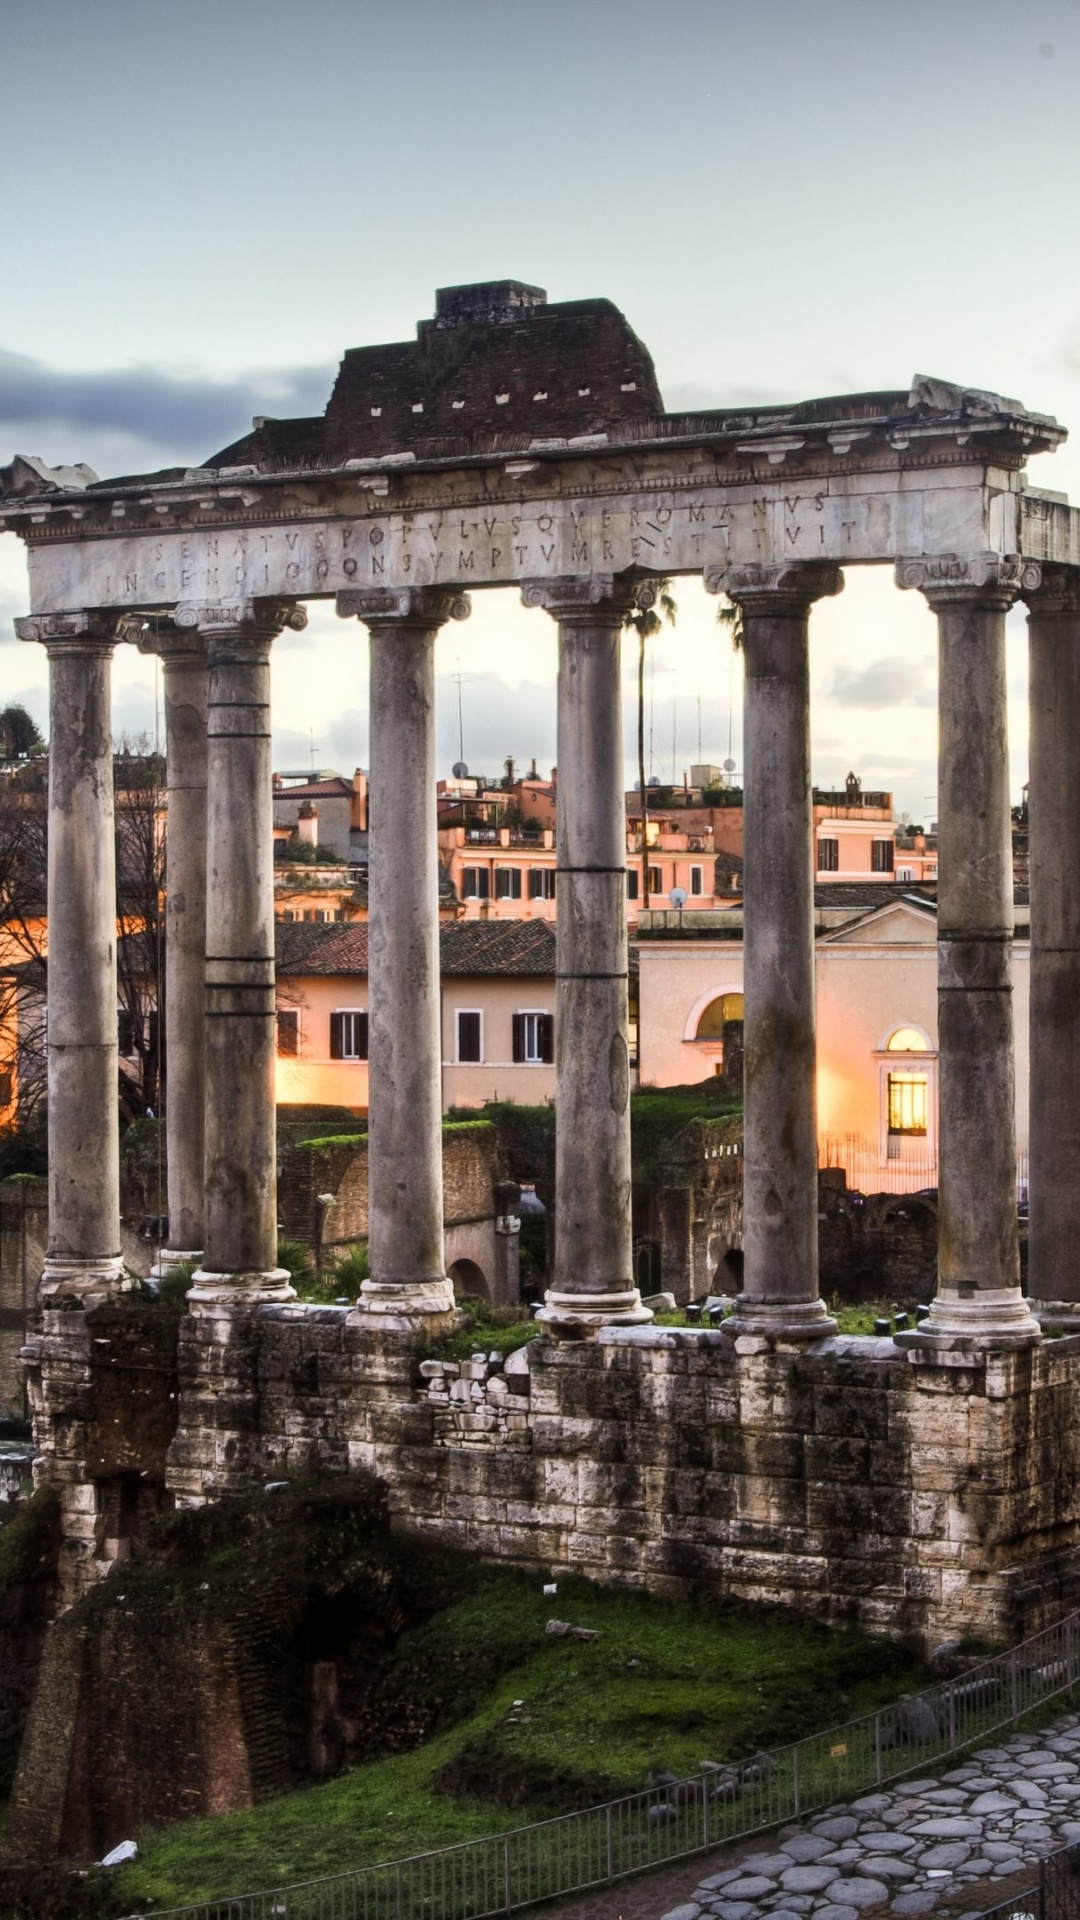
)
(978, 1298)
(185, 672)
(405, 1190)
(83, 1260)
(1054, 856)
(240, 1258)
(780, 1198)
(593, 1278)
(404, 1025)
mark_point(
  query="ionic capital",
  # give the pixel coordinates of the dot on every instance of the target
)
(422, 607)
(990, 580)
(1057, 593)
(264, 619)
(95, 631)
(592, 599)
(788, 586)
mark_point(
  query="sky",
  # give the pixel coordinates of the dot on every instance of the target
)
(203, 204)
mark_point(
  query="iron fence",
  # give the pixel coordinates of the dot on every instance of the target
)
(578, 1851)
(1054, 1896)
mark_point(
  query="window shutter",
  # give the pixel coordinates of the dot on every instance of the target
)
(288, 1032)
(631, 883)
(519, 1039)
(361, 1036)
(515, 883)
(483, 883)
(337, 1036)
(546, 1024)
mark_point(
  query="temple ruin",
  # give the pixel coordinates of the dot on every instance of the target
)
(927, 1485)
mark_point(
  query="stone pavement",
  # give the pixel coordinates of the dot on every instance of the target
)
(956, 1844)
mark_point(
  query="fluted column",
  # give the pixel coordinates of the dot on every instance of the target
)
(240, 1254)
(1054, 862)
(185, 669)
(593, 1280)
(83, 1264)
(780, 1201)
(978, 1301)
(405, 1198)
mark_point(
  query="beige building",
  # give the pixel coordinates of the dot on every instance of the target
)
(498, 1013)
(877, 1062)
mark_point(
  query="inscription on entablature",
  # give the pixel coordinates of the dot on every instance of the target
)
(499, 545)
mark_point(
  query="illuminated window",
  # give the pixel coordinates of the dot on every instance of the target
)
(907, 1040)
(718, 1014)
(908, 1103)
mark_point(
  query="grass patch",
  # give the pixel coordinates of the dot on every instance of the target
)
(487, 1330)
(543, 1723)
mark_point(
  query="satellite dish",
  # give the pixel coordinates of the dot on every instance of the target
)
(729, 766)
(461, 772)
(677, 896)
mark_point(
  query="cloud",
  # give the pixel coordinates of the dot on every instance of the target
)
(894, 681)
(175, 417)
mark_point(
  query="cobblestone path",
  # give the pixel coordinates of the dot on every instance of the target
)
(951, 1845)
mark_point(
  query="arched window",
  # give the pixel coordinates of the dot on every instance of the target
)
(718, 1014)
(906, 1040)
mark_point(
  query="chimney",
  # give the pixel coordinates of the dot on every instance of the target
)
(307, 823)
(358, 803)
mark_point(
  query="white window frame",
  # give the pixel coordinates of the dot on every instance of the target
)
(535, 1014)
(918, 1060)
(351, 1012)
(458, 1061)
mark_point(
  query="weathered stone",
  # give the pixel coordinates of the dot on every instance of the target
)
(843, 1827)
(985, 1803)
(770, 1864)
(886, 1866)
(807, 1879)
(949, 1827)
(859, 1892)
(947, 1856)
(910, 1904)
(886, 1842)
(750, 1887)
(689, 1910)
(806, 1847)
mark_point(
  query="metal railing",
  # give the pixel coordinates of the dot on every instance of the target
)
(1054, 1896)
(593, 1848)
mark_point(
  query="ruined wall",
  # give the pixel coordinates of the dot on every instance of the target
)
(849, 1478)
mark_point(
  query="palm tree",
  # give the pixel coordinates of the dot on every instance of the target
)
(647, 621)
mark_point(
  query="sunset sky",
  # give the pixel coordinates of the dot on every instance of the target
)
(204, 205)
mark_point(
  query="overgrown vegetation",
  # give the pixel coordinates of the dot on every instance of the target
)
(512, 1724)
(487, 1330)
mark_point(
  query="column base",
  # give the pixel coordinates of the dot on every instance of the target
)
(171, 1257)
(402, 1305)
(1057, 1313)
(779, 1320)
(68, 1280)
(987, 1319)
(582, 1311)
(253, 1288)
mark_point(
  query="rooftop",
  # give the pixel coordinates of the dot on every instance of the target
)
(466, 947)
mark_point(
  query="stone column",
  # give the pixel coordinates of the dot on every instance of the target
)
(184, 662)
(83, 1264)
(240, 1256)
(780, 1198)
(593, 1267)
(1054, 861)
(408, 1280)
(978, 1302)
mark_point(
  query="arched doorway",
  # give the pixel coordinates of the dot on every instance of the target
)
(469, 1282)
